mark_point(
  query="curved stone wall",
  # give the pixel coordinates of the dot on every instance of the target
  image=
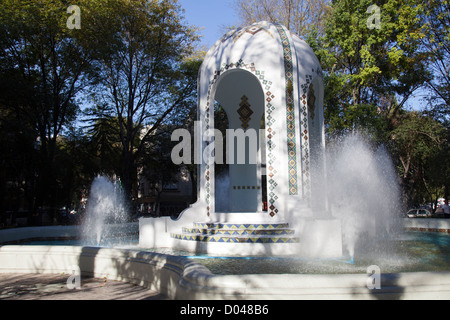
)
(181, 278)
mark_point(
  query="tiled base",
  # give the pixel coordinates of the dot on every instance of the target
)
(428, 229)
(237, 233)
(240, 226)
(427, 225)
(237, 239)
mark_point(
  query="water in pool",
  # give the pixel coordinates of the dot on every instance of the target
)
(409, 251)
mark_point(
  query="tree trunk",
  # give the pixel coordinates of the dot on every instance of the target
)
(128, 177)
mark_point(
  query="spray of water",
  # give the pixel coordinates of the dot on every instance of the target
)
(105, 205)
(363, 192)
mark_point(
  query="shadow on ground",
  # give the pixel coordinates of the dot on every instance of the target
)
(54, 287)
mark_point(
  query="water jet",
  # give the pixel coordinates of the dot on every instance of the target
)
(105, 207)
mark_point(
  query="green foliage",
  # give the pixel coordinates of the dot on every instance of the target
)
(42, 70)
(133, 58)
(139, 49)
(421, 145)
(364, 65)
(104, 140)
(438, 45)
(370, 73)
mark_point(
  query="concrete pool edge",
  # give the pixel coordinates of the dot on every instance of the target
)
(181, 278)
(427, 225)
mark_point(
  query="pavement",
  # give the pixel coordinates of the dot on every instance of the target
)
(24, 286)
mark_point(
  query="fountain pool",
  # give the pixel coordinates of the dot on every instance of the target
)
(411, 252)
(408, 252)
(418, 269)
(413, 265)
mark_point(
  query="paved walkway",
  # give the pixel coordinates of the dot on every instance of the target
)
(24, 286)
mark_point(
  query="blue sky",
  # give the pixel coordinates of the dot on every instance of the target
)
(210, 15)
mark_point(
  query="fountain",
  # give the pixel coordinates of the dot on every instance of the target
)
(105, 213)
(294, 221)
(328, 211)
(363, 192)
(270, 85)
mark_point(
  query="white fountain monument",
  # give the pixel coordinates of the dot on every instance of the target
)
(270, 84)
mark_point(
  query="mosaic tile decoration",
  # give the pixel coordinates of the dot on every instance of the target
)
(270, 120)
(290, 111)
(208, 190)
(246, 187)
(304, 130)
(311, 102)
(428, 229)
(304, 133)
(201, 238)
(237, 233)
(252, 30)
(244, 112)
(241, 226)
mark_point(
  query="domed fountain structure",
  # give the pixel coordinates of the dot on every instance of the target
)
(270, 84)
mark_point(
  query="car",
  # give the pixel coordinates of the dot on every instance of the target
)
(418, 213)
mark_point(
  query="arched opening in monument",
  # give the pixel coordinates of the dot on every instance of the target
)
(221, 168)
(240, 181)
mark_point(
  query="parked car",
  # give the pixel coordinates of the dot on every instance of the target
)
(418, 213)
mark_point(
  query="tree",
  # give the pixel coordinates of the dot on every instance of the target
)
(139, 49)
(17, 162)
(372, 67)
(42, 68)
(299, 16)
(438, 45)
(74, 168)
(421, 145)
(370, 71)
(156, 165)
(103, 139)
